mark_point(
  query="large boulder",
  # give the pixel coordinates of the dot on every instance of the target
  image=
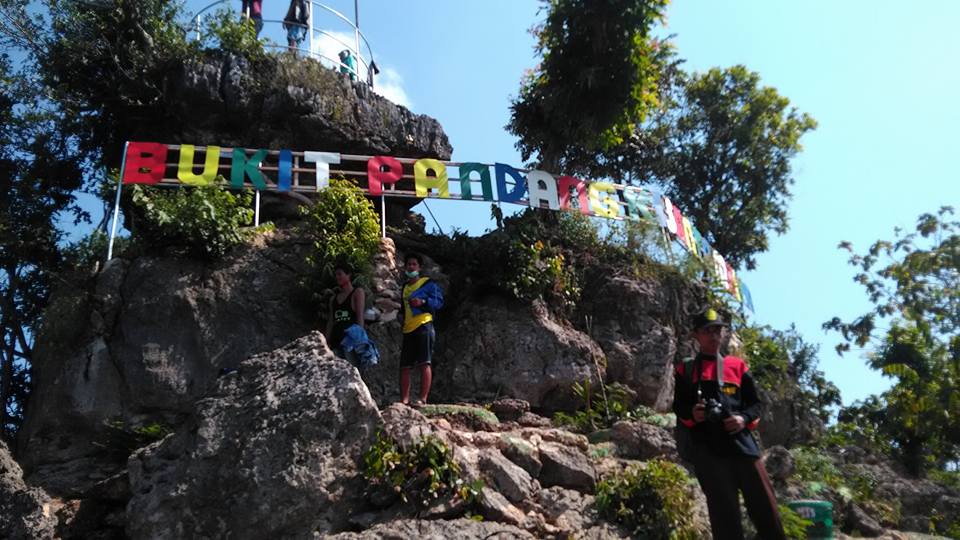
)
(288, 102)
(144, 343)
(272, 452)
(492, 347)
(462, 529)
(25, 511)
(635, 322)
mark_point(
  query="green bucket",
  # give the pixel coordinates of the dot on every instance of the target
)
(820, 513)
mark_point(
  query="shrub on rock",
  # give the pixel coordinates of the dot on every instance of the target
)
(652, 501)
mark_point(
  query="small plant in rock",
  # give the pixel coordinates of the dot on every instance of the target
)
(794, 525)
(224, 31)
(206, 221)
(605, 406)
(421, 474)
(122, 438)
(652, 500)
(343, 227)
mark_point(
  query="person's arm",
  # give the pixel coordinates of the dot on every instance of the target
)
(683, 400)
(358, 301)
(434, 297)
(750, 398)
(330, 320)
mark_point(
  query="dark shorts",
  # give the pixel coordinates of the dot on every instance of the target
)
(417, 348)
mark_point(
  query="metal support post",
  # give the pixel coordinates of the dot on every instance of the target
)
(116, 204)
(256, 209)
(383, 217)
(310, 27)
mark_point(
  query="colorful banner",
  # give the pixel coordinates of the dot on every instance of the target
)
(287, 170)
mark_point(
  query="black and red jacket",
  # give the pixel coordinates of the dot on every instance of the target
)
(739, 393)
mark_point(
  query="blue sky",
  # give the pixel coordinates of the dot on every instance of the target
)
(878, 77)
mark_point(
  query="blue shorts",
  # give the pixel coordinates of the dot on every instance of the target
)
(417, 347)
(296, 33)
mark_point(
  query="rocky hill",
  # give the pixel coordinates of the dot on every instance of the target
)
(179, 398)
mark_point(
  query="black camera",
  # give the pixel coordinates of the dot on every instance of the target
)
(716, 411)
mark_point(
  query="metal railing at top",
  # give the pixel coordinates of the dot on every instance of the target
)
(364, 67)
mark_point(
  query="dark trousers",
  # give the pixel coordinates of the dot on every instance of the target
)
(721, 478)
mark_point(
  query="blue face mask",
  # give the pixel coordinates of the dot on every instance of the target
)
(412, 274)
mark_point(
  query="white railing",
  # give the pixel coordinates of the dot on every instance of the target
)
(364, 68)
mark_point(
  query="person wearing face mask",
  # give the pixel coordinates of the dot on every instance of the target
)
(422, 297)
(717, 404)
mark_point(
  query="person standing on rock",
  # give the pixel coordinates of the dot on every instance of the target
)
(422, 297)
(253, 9)
(716, 399)
(295, 23)
(346, 309)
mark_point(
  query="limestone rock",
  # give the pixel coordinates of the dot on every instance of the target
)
(508, 409)
(461, 529)
(170, 325)
(859, 520)
(509, 479)
(293, 103)
(567, 467)
(629, 320)
(495, 507)
(524, 354)
(522, 453)
(24, 511)
(272, 451)
(639, 440)
(779, 463)
(568, 509)
(405, 425)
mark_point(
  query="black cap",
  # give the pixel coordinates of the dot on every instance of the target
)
(708, 318)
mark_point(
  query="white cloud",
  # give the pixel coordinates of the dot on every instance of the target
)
(389, 84)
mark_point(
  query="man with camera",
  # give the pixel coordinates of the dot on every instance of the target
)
(717, 407)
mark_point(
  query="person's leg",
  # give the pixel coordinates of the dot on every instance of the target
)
(759, 498)
(407, 350)
(426, 377)
(425, 359)
(719, 484)
(405, 385)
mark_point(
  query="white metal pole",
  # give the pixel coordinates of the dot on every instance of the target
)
(356, 37)
(116, 204)
(383, 217)
(256, 210)
(310, 26)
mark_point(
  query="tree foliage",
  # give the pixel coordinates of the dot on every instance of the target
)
(720, 147)
(105, 64)
(775, 356)
(344, 227)
(205, 221)
(596, 81)
(913, 282)
(38, 178)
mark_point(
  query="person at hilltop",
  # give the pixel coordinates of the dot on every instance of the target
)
(716, 402)
(346, 309)
(422, 297)
(295, 23)
(253, 9)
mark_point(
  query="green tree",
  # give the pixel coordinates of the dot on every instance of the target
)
(38, 179)
(914, 285)
(596, 81)
(777, 356)
(344, 227)
(720, 147)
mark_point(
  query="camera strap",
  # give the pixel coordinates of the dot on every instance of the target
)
(698, 371)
